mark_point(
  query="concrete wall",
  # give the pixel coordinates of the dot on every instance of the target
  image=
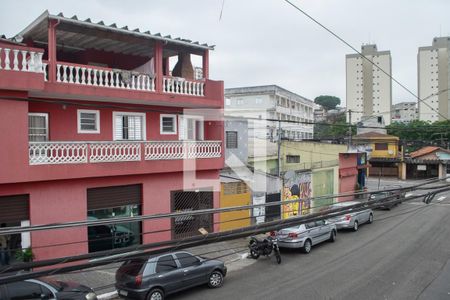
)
(241, 152)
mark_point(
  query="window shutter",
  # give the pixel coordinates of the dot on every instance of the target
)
(138, 128)
(181, 128)
(118, 128)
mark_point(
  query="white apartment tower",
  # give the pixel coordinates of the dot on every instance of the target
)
(433, 64)
(369, 89)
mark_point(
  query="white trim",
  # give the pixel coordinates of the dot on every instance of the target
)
(175, 124)
(47, 135)
(202, 129)
(125, 113)
(97, 120)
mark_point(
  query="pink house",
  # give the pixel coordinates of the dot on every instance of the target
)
(93, 126)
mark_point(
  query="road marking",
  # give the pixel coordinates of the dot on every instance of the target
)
(441, 198)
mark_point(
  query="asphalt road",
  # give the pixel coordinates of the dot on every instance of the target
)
(404, 254)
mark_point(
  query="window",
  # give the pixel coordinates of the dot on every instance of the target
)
(165, 264)
(234, 188)
(37, 127)
(129, 126)
(88, 121)
(232, 140)
(187, 260)
(381, 146)
(168, 124)
(24, 290)
(292, 159)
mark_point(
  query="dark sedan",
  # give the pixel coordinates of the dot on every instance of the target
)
(158, 276)
(46, 289)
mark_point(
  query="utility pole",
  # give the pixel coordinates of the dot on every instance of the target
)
(279, 148)
(349, 129)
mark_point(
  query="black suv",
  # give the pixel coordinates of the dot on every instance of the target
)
(107, 237)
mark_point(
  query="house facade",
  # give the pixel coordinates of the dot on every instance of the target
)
(95, 125)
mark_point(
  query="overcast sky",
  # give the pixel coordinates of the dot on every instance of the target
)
(267, 41)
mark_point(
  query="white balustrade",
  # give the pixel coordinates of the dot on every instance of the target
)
(163, 150)
(115, 151)
(47, 153)
(21, 60)
(43, 153)
(177, 85)
(110, 78)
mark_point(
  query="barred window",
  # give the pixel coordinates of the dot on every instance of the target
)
(232, 139)
(233, 188)
(292, 159)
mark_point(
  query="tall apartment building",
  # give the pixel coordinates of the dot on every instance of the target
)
(94, 126)
(369, 89)
(433, 64)
(271, 102)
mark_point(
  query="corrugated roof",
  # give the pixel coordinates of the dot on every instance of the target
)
(40, 24)
(373, 134)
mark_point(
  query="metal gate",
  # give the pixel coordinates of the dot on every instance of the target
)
(273, 212)
(187, 226)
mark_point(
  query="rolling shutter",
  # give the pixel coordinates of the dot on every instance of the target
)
(114, 196)
(14, 208)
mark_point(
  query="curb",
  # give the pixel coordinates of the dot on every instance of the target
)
(107, 296)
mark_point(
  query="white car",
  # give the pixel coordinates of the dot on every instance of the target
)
(305, 236)
(352, 219)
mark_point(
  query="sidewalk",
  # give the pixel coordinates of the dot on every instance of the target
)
(233, 253)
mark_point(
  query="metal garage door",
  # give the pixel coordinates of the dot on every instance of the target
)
(113, 196)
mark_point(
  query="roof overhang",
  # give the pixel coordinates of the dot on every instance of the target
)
(75, 34)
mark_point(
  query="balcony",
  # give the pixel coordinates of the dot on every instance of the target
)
(51, 153)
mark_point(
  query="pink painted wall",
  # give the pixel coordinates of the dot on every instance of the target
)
(348, 162)
(64, 201)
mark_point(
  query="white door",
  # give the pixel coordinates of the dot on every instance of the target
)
(38, 132)
(191, 128)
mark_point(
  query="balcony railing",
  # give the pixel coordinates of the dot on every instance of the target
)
(177, 85)
(44, 153)
(17, 58)
(103, 77)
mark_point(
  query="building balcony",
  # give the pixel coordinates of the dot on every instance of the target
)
(52, 153)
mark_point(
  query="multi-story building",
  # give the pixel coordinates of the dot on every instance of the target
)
(93, 127)
(433, 63)
(404, 112)
(369, 89)
(274, 103)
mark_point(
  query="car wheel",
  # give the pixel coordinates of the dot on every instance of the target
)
(215, 279)
(332, 236)
(155, 294)
(307, 246)
(370, 218)
(355, 226)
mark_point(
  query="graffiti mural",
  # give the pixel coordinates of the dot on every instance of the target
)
(296, 185)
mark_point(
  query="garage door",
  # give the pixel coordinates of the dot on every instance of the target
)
(114, 196)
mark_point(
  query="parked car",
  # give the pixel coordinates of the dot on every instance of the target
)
(387, 196)
(155, 277)
(352, 219)
(107, 237)
(44, 288)
(305, 236)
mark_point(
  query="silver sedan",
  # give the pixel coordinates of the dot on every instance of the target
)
(352, 219)
(305, 236)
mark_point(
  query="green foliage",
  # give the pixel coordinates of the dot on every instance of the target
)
(328, 102)
(25, 255)
(334, 128)
(417, 134)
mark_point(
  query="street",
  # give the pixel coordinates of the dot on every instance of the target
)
(404, 254)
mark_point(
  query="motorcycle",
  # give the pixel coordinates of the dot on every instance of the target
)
(264, 247)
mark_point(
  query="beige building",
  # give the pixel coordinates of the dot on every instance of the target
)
(369, 89)
(434, 80)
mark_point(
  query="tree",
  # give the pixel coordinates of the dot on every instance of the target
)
(328, 102)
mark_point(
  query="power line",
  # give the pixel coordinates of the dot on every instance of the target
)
(362, 55)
